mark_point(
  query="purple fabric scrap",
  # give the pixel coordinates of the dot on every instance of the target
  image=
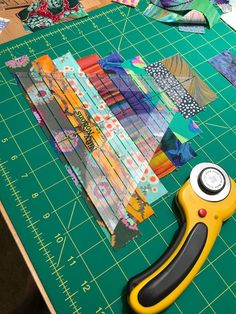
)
(225, 63)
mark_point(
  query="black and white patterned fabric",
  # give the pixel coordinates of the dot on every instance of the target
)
(185, 103)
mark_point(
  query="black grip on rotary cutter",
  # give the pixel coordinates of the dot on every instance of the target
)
(167, 280)
(133, 282)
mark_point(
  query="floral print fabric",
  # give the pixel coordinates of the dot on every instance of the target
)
(44, 13)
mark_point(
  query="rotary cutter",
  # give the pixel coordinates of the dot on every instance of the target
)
(206, 200)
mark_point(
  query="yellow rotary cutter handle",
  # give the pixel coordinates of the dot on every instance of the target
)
(206, 200)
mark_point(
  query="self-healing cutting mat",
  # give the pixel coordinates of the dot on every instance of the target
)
(77, 267)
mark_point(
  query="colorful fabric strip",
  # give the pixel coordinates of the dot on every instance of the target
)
(161, 164)
(104, 86)
(184, 129)
(167, 16)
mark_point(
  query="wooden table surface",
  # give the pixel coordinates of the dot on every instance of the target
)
(15, 29)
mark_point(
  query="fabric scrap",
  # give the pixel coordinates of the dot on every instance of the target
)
(184, 129)
(130, 3)
(183, 12)
(197, 29)
(45, 13)
(166, 16)
(225, 63)
(161, 164)
(178, 153)
(191, 81)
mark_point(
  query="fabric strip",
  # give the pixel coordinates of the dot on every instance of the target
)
(104, 86)
(225, 63)
(161, 164)
(184, 129)
(197, 29)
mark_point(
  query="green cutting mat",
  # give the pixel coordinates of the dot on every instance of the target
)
(77, 266)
